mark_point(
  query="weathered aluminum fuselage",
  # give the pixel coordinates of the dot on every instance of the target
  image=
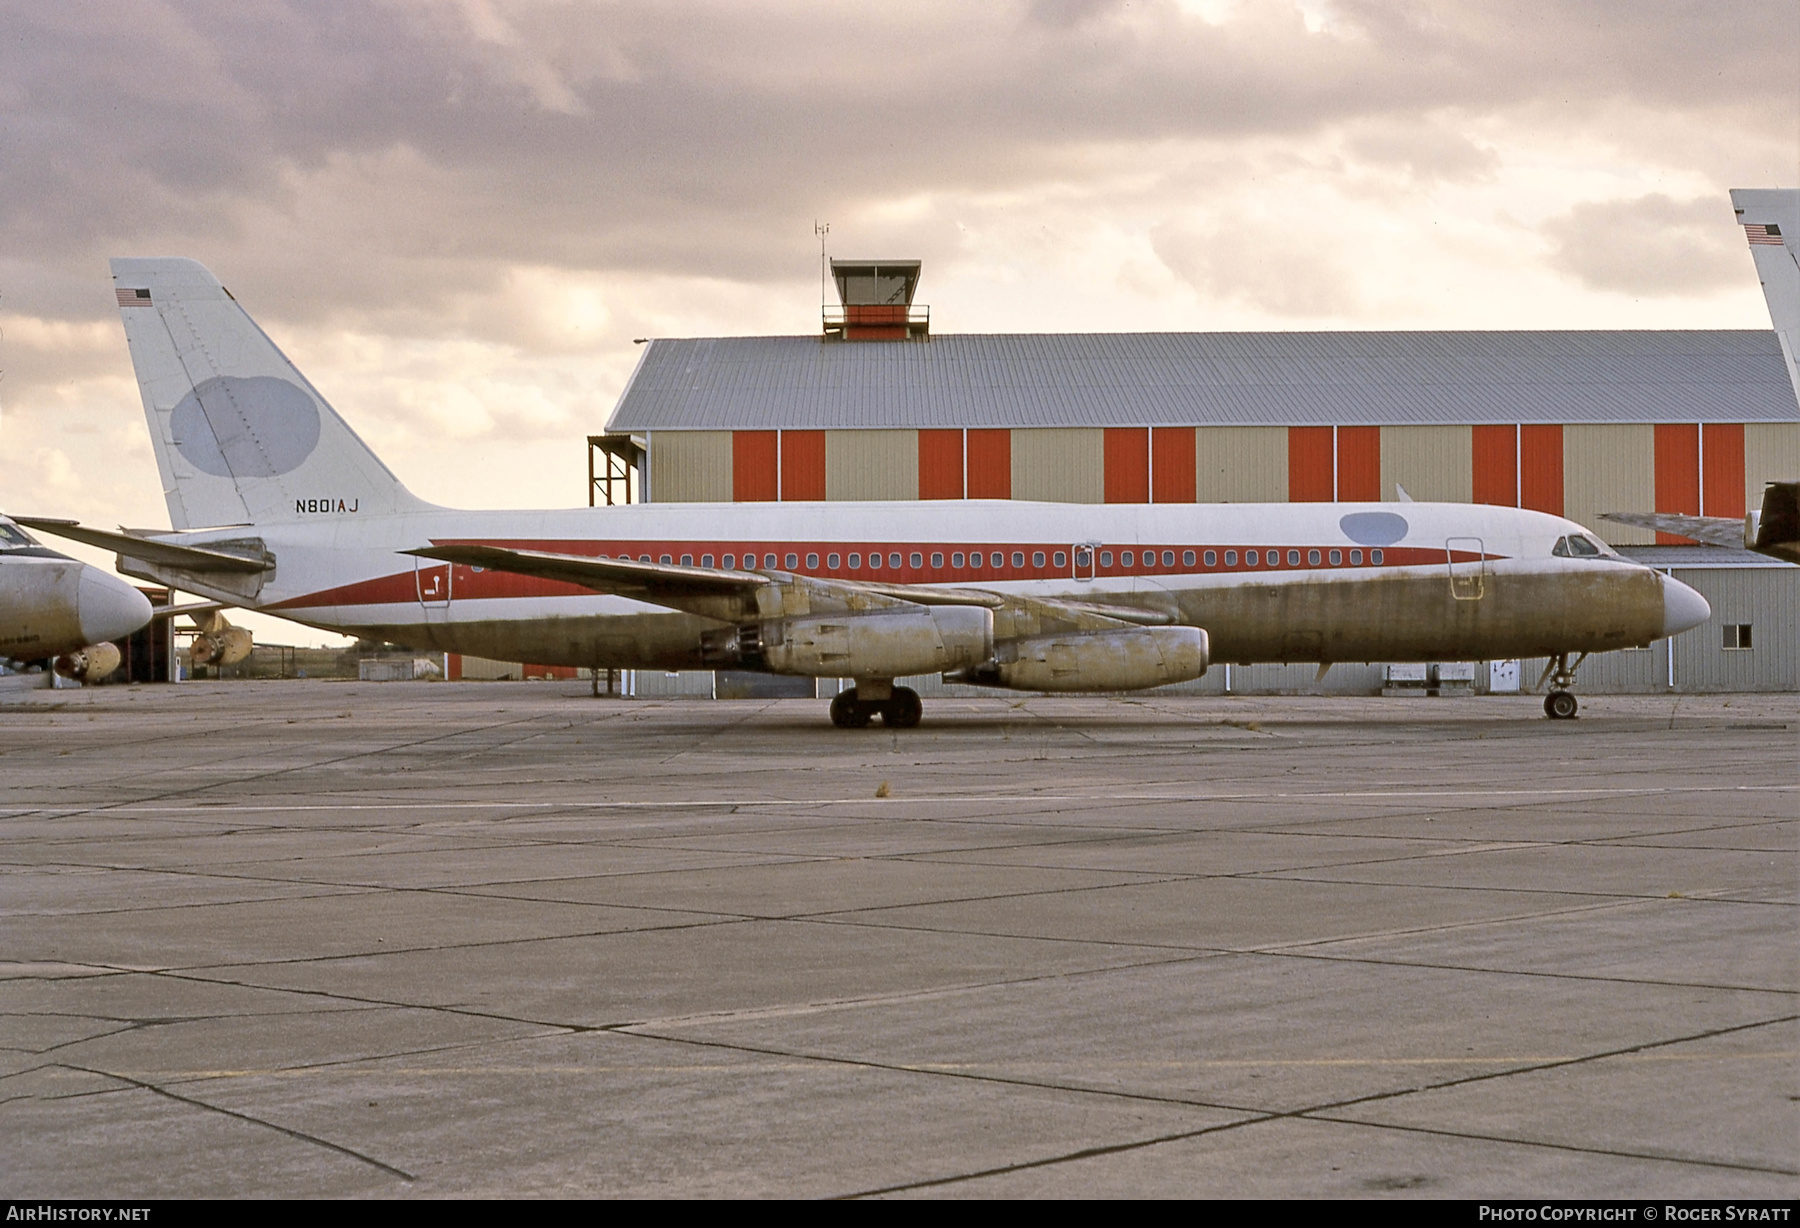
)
(1330, 582)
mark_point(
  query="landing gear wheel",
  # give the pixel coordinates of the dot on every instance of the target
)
(847, 713)
(1560, 706)
(903, 710)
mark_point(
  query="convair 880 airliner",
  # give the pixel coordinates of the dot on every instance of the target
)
(279, 506)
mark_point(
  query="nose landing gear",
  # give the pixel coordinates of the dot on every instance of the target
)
(900, 710)
(1559, 704)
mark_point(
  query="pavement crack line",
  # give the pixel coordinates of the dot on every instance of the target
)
(397, 1004)
(1620, 897)
(439, 948)
(1315, 1112)
(1619, 1152)
(301, 1135)
(305, 1068)
(718, 731)
(855, 918)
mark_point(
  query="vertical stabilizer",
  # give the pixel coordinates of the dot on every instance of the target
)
(241, 437)
(1771, 221)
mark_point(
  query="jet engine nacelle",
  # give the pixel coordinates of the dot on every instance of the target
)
(885, 644)
(1125, 660)
(89, 665)
(220, 643)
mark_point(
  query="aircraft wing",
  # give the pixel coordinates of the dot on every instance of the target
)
(1774, 530)
(728, 594)
(622, 577)
(926, 595)
(193, 608)
(150, 550)
(1713, 530)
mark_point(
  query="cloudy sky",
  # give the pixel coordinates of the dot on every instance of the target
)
(457, 215)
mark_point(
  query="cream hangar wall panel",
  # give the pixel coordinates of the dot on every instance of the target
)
(1434, 463)
(871, 465)
(1610, 469)
(1241, 464)
(1771, 454)
(690, 466)
(1059, 464)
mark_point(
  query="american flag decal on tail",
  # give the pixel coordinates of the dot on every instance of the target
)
(134, 298)
(1761, 235)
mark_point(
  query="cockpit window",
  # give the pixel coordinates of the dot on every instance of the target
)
(1576, 546)
(14, 538)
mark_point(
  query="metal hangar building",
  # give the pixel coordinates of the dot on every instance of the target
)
(1571, 422)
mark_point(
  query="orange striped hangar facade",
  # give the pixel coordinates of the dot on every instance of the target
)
(1570, 423)
(1567, 423)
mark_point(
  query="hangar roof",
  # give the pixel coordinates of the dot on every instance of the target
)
(1209, 379)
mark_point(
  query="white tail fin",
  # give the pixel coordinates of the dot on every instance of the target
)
(241, 437)
(1771, 221)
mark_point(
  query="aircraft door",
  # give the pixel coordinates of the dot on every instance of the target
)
(1468, 575)
(1082, 554)
(433, 580)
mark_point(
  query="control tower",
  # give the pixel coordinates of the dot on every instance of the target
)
(875, 302)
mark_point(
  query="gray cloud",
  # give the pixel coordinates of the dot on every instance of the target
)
(1652, 245)
(1269, 266)
(415, 149)
(1427, 150)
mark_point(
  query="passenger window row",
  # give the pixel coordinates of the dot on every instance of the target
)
(1572, 546)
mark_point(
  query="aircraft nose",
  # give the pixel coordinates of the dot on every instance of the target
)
(109, 608)
(1682, 607)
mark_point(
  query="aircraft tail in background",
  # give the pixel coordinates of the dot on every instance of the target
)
(241, 437)
(1771, 221)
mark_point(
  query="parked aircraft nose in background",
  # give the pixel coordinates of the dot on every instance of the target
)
(109, 609)
(53, 607)
(1683, 608)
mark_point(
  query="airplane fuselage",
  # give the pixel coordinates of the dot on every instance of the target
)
(1267, 582)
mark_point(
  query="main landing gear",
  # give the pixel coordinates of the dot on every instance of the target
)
(1559, 705)
(900, 710)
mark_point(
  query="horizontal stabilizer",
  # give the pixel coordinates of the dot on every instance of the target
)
(151, 550)
(1712, 530)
